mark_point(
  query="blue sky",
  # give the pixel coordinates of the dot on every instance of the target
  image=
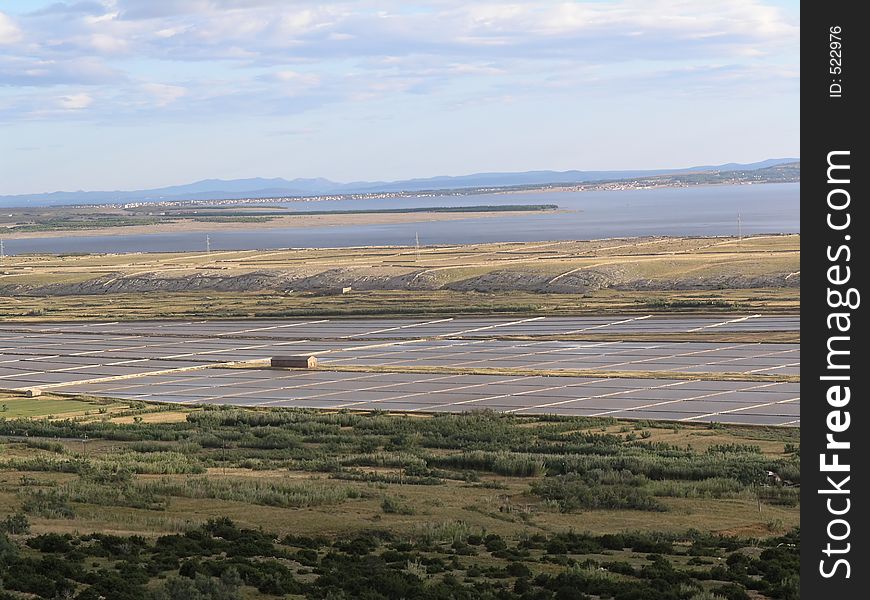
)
(127, 94)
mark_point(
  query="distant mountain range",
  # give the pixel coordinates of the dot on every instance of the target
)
(214, 189)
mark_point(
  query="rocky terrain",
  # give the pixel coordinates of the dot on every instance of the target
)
(303, 280)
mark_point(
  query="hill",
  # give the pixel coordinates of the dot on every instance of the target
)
(258, 187)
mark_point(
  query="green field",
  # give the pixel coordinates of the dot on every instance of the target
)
(334, 505)
(16, 406)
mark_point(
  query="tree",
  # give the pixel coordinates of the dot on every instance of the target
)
(16, 524)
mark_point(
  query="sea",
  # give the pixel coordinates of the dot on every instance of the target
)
(691, 211)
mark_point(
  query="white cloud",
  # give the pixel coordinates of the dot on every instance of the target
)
(108, 44)
(29, 71)
(295, 77)
(9, 31)
(275, 31)
(75, 101)
(168, 32)
(163, 94)
(368, 49)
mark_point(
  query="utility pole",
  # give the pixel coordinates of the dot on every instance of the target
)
(207, 244)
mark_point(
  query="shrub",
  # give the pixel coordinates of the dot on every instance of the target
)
(17, 524)
(49, 504)
(392, 505)
(572, 492)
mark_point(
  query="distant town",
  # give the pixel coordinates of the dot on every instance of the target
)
(785, 173)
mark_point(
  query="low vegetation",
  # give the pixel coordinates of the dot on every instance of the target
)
(348, 505)
(222, 561)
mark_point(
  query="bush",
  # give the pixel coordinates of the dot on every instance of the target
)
(47, 445)
(17, 524)
(572, 492)
(49, 504)
(392, 505)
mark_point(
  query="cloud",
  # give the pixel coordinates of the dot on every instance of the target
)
(29, 71)
(62, 8)
(273, 32)
(277, 31)
(163, 94)
(293, 82)
(269, 56)
(107, 44)
(151, 9)
(9, 31)
(75, 101)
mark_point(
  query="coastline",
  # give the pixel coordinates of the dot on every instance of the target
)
(294, 221)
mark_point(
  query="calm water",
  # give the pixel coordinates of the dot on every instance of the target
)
(768, 208)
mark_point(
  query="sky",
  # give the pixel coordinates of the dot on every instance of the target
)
(132, 94)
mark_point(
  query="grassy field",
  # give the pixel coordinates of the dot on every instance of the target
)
(451, 506)
(16, 406)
